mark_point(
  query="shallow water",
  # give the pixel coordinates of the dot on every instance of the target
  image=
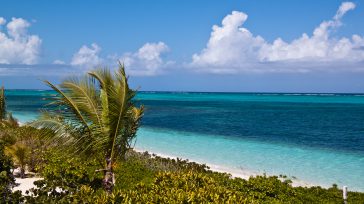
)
(318, 138)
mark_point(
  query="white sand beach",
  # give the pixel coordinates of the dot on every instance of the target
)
(25, 184)
(238, 173)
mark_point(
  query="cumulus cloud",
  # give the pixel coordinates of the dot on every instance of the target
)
(16, 45)
(233, 48)
(319, 46)
(229, 44)
(147, 60)
(2, 21)
(87, 57)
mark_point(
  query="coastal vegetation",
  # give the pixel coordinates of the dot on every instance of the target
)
(6, 119)
(97, 118)
(82, 148)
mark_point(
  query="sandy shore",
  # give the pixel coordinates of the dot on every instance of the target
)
(238, 173)
(25, 184)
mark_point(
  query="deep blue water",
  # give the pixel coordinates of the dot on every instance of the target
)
(336, 126)
(325, 132)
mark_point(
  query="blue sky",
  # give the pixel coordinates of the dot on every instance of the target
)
(188, 45)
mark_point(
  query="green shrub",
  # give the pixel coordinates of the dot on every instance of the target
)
(64, 175)
(132, 172)
(7, 180)
(167, 187)
(145, 178)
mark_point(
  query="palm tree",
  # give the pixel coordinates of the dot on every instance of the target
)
(2, 104)
(20, 153)
(6, 119)
(96, 115)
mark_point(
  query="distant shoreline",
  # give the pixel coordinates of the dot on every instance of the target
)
(227, 92)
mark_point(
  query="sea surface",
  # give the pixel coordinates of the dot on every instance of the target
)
(315, 138)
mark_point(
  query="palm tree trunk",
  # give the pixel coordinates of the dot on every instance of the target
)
(109, 178)
(22, 172)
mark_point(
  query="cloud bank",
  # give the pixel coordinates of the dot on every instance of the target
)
(233, 48)
(146, 61)
(16, 45)
(19, 48)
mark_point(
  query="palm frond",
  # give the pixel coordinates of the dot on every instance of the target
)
(106, 83)
(85, 95)
(67, 101)
(95, 114)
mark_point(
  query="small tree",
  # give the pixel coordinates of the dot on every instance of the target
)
(6, 119)
(20, 153)
(96, 115)
(6, 177)
(2, 104)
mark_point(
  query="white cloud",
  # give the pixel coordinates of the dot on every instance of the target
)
(233, 48)
(2, 21)
(17, 46)
(17, 27)
(58, 62)
(87, 57)
(319, 46)
(230, 46)
(147, 60)
(344, 7)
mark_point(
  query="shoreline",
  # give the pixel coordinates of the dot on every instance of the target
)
(235, 173)
(27, 183)
(241, 171)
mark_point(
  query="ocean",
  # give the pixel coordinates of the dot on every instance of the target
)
(314, 138)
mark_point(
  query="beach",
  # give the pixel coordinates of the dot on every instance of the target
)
(313, 139)
(304, 166)
(237, 173)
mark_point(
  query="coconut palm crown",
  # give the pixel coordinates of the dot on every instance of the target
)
(96, 116)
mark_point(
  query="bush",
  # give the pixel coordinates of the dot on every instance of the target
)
(25, 145)
(63, 176)
(167, 187)
(7, 180)
(144, 178)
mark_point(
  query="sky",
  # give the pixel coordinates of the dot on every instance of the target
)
(170, 45)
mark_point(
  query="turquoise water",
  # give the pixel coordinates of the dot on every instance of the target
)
(317, 138)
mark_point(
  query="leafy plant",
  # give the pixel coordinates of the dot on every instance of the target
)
(7, 180)
(6, 119)
(20, 153)
(96, 116)
(2, 104)
(33, 140)
(25, 145)
(146, 178)
(66, 174)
